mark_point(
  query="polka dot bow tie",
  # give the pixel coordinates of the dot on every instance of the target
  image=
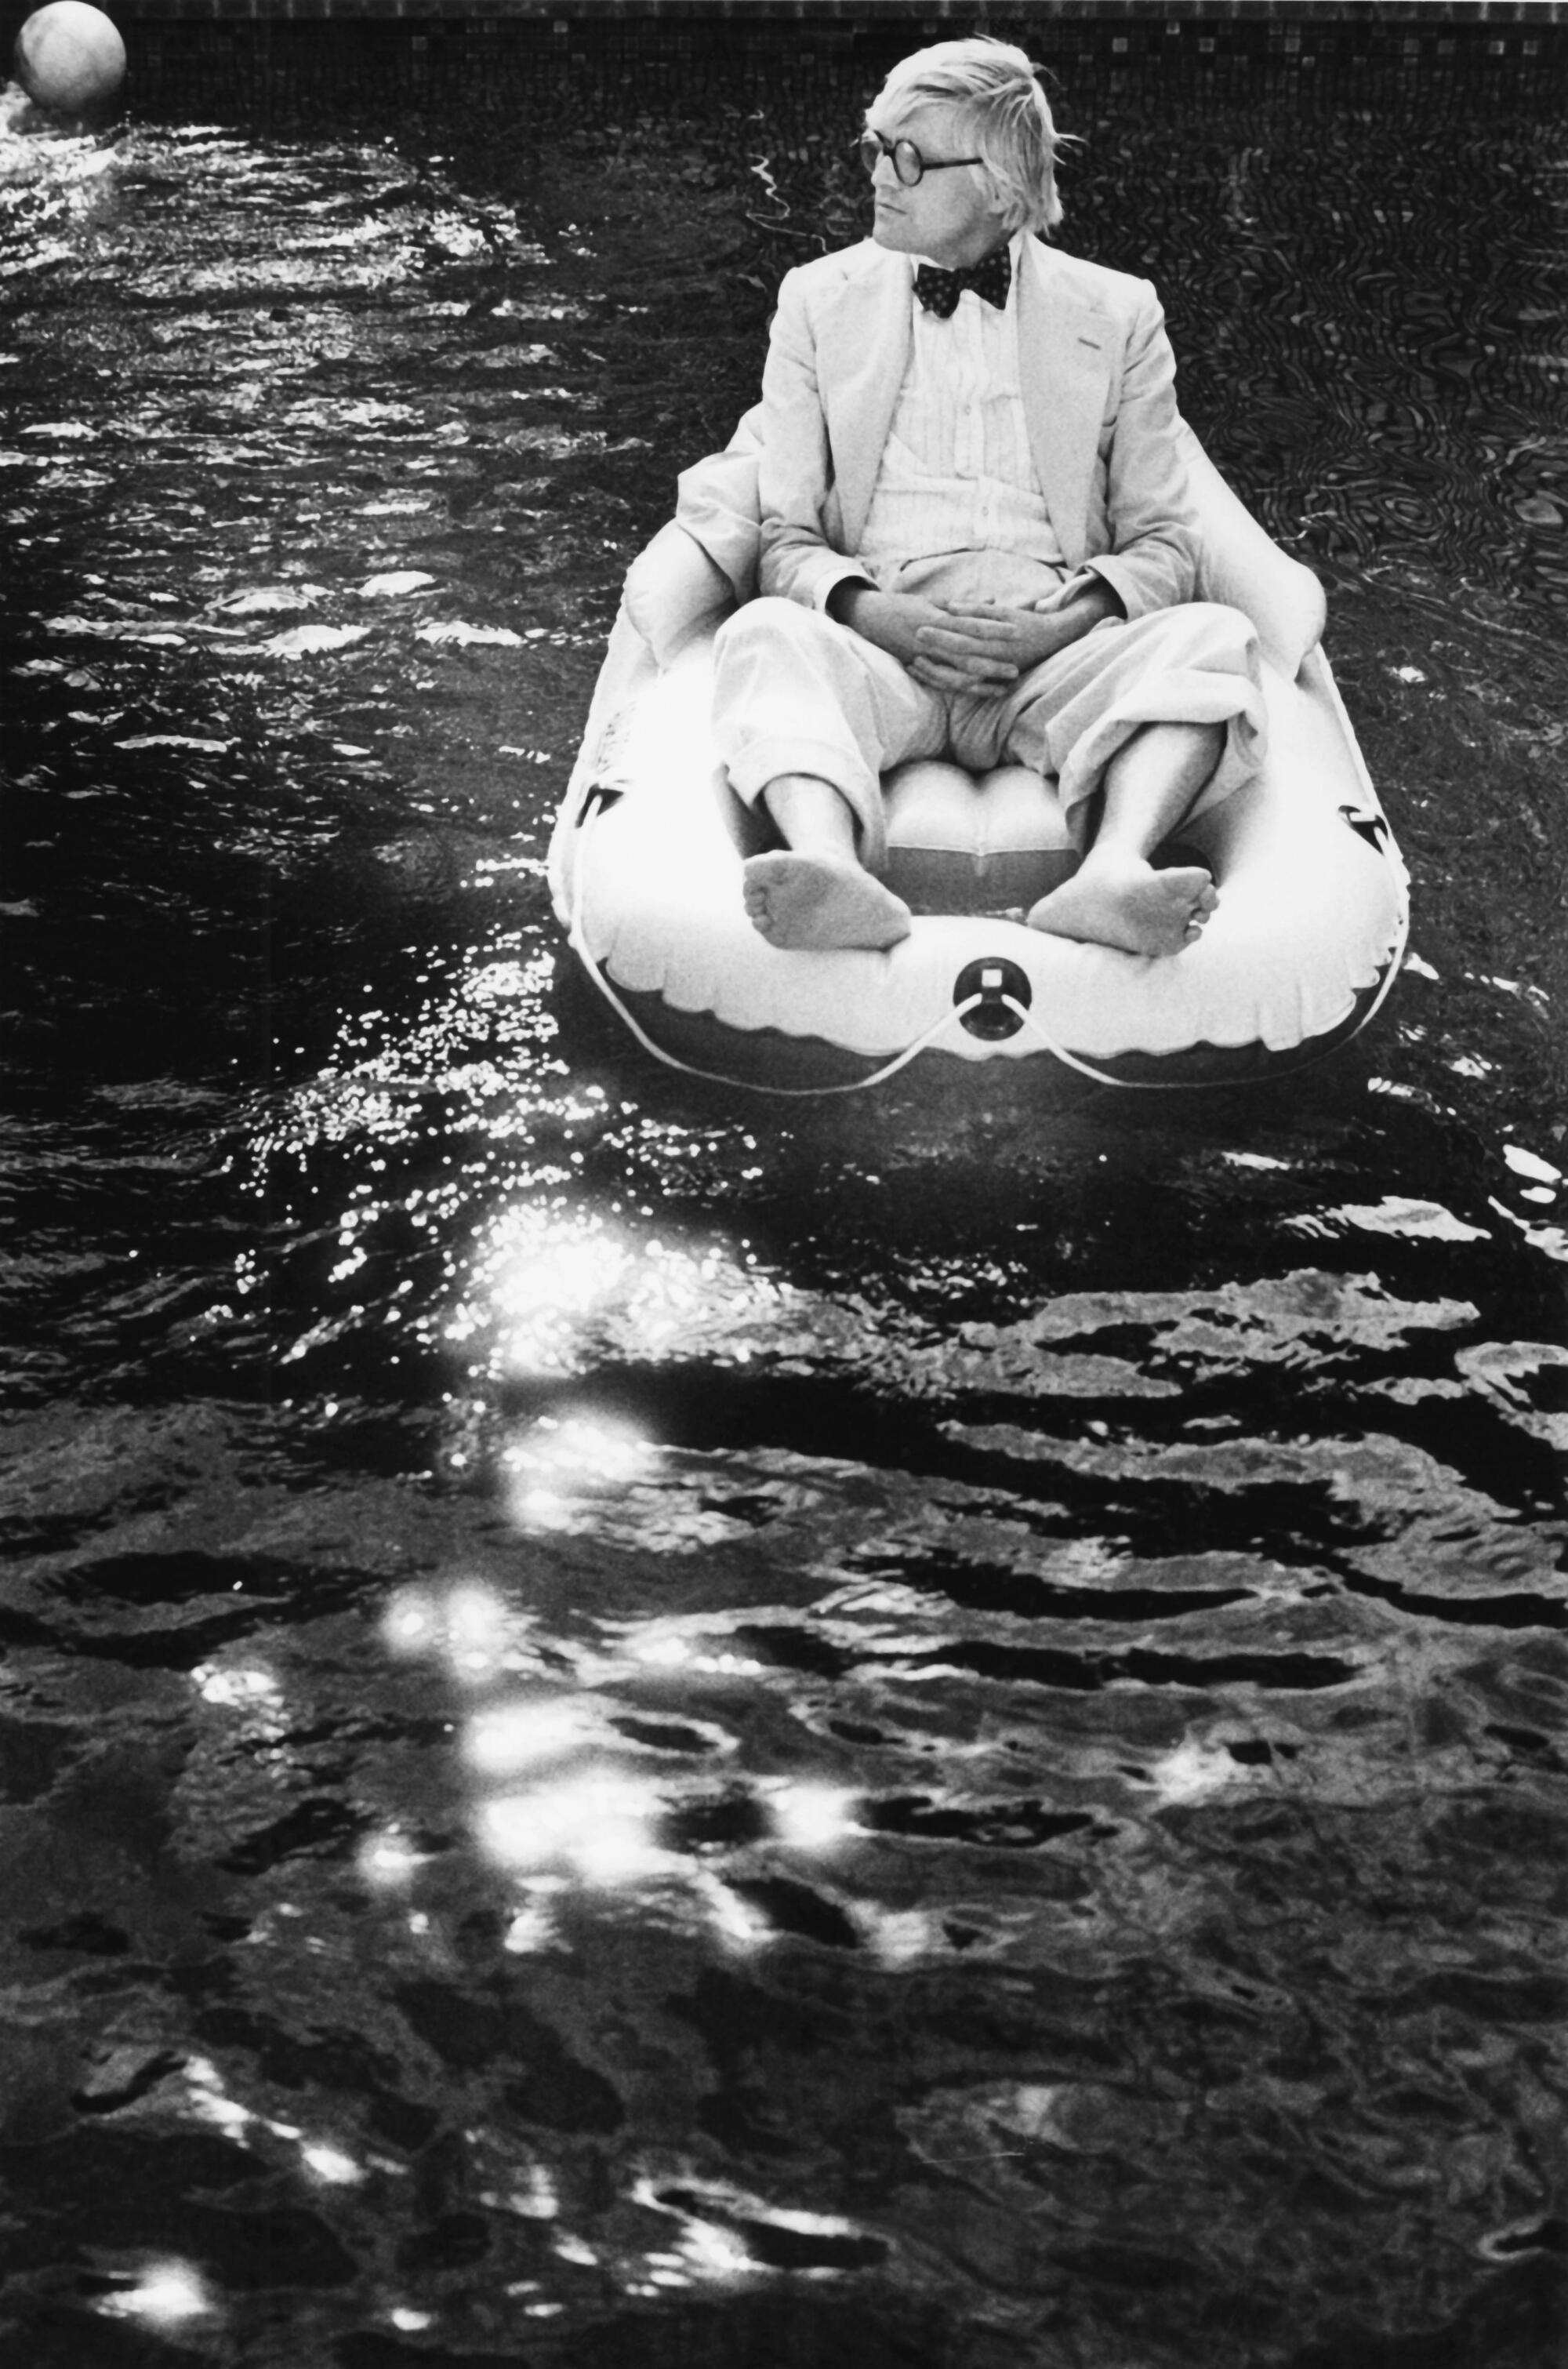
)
(939, 290)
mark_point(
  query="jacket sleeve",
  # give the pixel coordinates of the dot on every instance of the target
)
(795, 472)
(1153, 525)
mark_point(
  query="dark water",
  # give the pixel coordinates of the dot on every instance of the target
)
(636, 1730)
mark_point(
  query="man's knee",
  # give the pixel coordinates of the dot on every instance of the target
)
(768, 621)
(1218, 627)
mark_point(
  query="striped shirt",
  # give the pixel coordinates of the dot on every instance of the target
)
(957, 484)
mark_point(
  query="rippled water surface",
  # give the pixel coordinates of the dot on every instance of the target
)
(638, 1729)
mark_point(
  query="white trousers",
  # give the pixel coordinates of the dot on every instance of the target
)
(796, 693)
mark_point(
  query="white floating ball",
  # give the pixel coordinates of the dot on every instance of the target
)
(69, 56)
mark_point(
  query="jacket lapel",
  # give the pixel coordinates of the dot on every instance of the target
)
(1064, 371)
(862, 353)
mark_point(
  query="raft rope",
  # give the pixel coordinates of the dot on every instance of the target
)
(593, 807)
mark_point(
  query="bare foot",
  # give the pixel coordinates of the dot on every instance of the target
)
(1123, 901)
(800, 901)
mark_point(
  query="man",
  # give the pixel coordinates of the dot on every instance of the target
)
(978, 540)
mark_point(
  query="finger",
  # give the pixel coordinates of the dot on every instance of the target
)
(986, 611)
(975, 627)
(964, 621)
(965, 649)
(972, 654)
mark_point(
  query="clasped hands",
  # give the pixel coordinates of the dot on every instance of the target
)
(968, 644)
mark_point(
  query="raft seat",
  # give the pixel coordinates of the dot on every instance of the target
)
(962, 843)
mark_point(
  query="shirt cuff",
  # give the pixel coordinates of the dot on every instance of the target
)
(1108, 571)
(826, 585)
(1090, 574)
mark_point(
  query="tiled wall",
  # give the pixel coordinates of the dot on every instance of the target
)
(313, 56)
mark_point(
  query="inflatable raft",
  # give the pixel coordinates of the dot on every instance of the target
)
(646, 864)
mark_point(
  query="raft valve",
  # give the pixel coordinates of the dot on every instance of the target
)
(1001, 985)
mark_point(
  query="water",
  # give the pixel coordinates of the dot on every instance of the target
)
(641, 1730)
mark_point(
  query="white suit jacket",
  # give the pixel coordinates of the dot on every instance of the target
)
(1098, 379)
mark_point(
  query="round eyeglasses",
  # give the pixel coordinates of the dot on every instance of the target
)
(908, 165)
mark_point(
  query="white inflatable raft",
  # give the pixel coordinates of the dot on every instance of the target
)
(645, 860)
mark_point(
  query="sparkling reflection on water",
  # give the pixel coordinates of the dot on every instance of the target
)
(639, 1728)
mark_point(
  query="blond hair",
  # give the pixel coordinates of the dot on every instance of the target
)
(1002, 108)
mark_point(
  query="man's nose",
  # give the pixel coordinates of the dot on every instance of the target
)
(883, 176)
